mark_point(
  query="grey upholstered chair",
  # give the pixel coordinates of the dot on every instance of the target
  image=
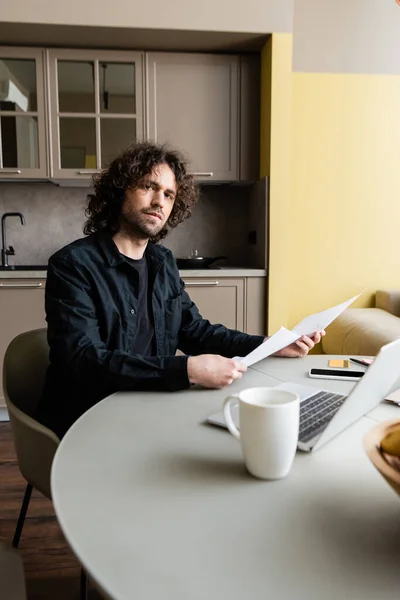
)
(24, 371)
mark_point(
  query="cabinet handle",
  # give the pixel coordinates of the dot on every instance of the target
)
(199, 174)
(208, 283)
(87, 172)
(10, 171)
(21, 285)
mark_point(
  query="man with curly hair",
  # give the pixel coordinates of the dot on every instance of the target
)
(116, 308)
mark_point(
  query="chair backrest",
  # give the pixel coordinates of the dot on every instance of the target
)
(24, 372)
(25, 364)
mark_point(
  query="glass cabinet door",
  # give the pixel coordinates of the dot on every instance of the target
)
(96, 108)
(22, 114)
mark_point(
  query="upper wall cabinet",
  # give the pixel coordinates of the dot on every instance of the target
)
(96, 109)
(250, 101)
(22, 114)
(193, 104)
(65, 114)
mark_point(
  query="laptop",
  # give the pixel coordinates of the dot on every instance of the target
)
(325, 414)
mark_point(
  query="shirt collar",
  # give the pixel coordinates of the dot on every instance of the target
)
(113, 256)
(110, 250)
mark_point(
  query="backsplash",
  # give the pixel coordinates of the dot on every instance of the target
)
(54, 216)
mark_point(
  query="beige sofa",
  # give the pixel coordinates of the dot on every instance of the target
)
(365, 330)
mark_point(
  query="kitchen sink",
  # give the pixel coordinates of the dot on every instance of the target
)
(24, 268)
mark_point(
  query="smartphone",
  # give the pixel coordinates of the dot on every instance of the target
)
(343, 374)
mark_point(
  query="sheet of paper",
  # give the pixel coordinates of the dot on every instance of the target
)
(394, 397)
(283, 337)
(322, 319)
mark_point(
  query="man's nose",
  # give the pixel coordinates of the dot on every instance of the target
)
(158, 198)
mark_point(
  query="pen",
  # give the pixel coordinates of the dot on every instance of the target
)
(360, 361)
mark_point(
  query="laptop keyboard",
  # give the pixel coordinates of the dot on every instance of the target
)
(316, 412)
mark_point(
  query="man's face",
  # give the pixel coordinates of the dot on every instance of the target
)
(146, 209)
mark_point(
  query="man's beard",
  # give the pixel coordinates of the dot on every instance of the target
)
(135, 224)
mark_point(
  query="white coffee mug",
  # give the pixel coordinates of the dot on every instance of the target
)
(269, 429)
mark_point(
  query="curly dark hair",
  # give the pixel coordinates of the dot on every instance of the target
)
(127, 171)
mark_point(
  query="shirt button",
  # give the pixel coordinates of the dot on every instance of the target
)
(132, 311)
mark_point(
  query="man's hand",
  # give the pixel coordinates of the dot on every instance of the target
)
(214, 371)
(302, 346)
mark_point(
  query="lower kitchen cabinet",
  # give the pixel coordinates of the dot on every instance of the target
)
(219, 300)
(237, 302)
(21, 309)
(256, 306)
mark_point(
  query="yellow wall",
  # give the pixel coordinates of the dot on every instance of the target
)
(332, 149)
(275, 162)
(345, 196)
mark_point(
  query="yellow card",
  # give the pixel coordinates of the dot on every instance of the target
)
(339, 363)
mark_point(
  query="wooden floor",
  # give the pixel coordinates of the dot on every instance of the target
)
(51, 570)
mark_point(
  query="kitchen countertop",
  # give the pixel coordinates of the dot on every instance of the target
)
(223, 272)
(23, 274)
(184, 273)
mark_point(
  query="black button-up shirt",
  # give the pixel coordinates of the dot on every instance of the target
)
(92, 304)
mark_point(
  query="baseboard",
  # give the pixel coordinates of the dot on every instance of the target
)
(3, 414)
(3, 410)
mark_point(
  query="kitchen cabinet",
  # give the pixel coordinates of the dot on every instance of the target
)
(250, 106)
(65, 113)
(218, 300)
(193, 104)
(96, 109)
(21, 309)
(237, 302)
(255, 309)
(23, 153)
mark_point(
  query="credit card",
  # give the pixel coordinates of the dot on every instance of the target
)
(339, 363)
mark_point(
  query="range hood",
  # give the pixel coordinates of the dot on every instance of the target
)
(10, 92)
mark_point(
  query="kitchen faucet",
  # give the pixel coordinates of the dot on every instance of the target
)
(6, 252)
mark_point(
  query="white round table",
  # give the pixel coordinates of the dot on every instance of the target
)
(157, 504)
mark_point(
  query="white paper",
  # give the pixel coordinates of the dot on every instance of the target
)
(279, 340)
(394, 397)
(283, 337)
(320, 320)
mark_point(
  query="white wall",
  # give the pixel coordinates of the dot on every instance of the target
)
(346, 36)
(264, 16)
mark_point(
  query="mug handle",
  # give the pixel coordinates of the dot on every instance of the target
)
(228, 416)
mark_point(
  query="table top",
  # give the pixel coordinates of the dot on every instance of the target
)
(156, 503)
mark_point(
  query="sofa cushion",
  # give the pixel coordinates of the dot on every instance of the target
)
(361, 331)
(389, 300)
